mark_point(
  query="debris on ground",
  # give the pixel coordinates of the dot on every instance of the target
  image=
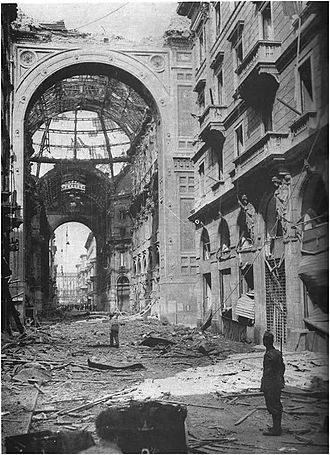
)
(49, 442)
(103, 366)
(218, 386)
(156, 341)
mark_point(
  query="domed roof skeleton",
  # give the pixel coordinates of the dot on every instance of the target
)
(110, 98)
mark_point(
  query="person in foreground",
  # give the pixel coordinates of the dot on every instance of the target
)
(114, 332)
(272, 383)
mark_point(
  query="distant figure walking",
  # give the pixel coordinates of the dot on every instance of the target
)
(272, 383)
(114, 332)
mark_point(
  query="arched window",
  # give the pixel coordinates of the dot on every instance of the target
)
(123, 291)
(150, 259)
(144, 262)
(134, 266)
(138, 266)
(224, 236)
(157, 259)
(206, 246)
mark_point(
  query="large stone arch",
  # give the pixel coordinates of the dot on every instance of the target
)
(63, 59)
(58, 61)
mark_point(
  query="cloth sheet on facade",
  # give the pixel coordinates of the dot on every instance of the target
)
(318, 319)
(245, 306)
(313, 269)
(207, 321)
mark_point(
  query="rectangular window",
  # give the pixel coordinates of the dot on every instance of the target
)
(239, 138)
(246, 279)
(239, 51)
(201, 174)
(218, 18)
(267, 24)
(122, 214)
(306, 87)
(201, 43)
(225, 288)
(207, 293)
(267, 119)
(217, 162)
(220, 88)
(201, 101)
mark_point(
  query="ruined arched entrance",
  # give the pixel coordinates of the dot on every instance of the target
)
(71, 83)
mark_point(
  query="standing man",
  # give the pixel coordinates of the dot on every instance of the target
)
(272, 383)
(114, 332)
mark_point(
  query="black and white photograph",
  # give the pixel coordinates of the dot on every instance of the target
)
(164, 227)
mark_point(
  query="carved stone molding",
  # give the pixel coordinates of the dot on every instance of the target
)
(183, 163)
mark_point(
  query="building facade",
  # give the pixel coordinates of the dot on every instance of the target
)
(67, 289)
(143, 91)
(261, 168)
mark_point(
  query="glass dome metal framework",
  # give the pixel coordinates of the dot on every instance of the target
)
(85, 117)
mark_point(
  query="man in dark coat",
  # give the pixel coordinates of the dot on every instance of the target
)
(272, 383)
(114, 332)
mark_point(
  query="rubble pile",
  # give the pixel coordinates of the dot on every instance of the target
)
(59, 376)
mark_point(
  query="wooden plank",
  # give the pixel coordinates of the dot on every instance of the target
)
(190, 404)
(248, 415)
(32, 411)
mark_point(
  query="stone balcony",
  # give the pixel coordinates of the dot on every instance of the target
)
(303, 126)
(212, 119)
(271, 146)
(257, 74)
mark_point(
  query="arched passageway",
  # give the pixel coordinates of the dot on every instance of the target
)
(79, 130)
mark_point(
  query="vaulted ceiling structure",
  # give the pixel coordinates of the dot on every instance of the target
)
(113, 100)
(80, 125)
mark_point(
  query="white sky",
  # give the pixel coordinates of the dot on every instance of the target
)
(134, 21)
(69, 255)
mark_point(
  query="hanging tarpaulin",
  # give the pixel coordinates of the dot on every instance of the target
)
(314, 264)
(207, 320)
(317, 319)
(245, 307)
(313, 270)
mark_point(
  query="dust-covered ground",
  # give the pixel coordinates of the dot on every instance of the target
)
(56, 372)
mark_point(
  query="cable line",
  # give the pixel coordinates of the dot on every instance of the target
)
(100, 18)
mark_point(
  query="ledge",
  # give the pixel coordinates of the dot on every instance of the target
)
(262, 52)
(199, 85)
(270, 135)
(217, 60)
(302, 122)
(216, 185)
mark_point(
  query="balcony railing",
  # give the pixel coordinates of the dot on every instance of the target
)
(272, 143)
(259, 61)
(263, 52)
(213, 117)
(305, 122)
